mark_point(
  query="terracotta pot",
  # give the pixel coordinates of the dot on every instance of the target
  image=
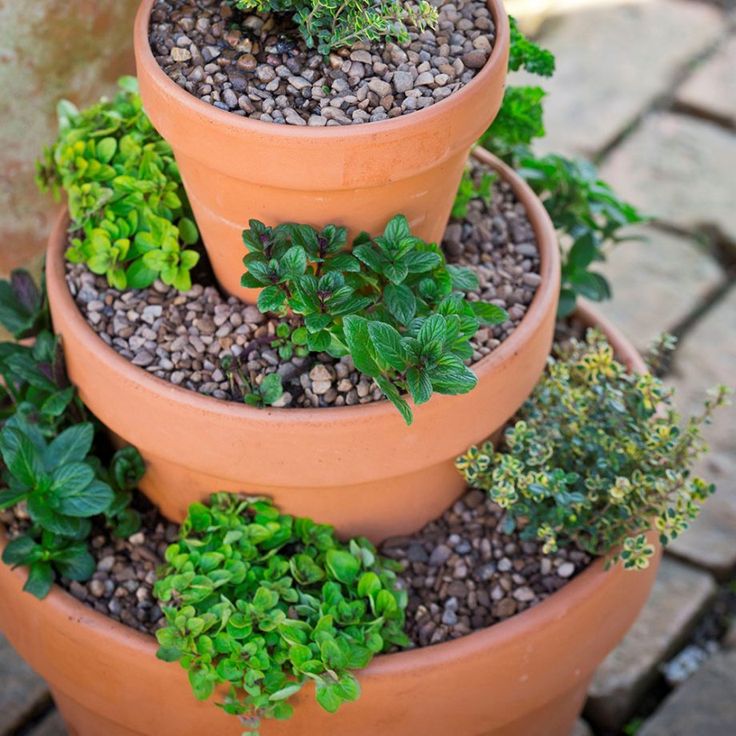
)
(359, 468)
(359, 176)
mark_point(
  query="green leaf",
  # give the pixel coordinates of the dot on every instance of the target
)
(21, 551)
(40, 580)
(294, 262)
(56, 404)
(21, 456)
(271, 299)
(489, 314)
(433, 330)
(73, 444)
(328, 697)
(72, 478)
(369, 584)
(188, 231)
(463, 279)
(84, 502)
(342, 565)
(420, 385)
(271, 388)
(452, 376)
(285, 692)
(202, 684)
(75, 563)
(394, 396)
(106, 149)
(400, 302)
(387, 345)
(422, 261)
(396, 272)
(397, 229)
(359, 344)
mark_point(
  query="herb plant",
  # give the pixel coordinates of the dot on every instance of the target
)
(264, 603)
(393, 304)
(130, 216)
(48, 469)
(585, 211)
(470, 190)
(330, 25)
(255, 391)
(597, 457)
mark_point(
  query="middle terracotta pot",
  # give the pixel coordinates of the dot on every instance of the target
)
(359, 468)
(359, 176)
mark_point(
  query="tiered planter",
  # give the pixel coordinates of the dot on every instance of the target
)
(235, 169)
(359, 468)
(526, 676)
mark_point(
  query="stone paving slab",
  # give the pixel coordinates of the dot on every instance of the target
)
(707, 357)
(704, 706)
(22, 692)
(679, 170)
(712, 87)
(51, 725)
(613, 61)
(656, 283)
(679, 596)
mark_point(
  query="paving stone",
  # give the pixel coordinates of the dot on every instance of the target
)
(581, 728)
(657, 283)
(707, 357)
(613, 60)
(679, 170)
(679, 596)
(22, 692)
(712, 87)
(703, 706)
(51, 725)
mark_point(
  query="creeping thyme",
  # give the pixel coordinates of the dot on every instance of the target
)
(129, 211)
(263, 603)
(597, 457)
(392, 303)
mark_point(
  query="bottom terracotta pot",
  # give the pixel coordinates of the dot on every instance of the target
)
(526, 676)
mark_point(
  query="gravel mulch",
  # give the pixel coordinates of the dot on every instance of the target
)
(122, 586)
(463, 574)
(184, 338)
(257, 65)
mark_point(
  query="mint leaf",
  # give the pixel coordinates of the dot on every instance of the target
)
(387, 345)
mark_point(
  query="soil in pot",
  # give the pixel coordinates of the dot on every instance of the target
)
(258, 66)
(184, 338)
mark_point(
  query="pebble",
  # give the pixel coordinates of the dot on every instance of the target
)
(237, 62)
(462, 573)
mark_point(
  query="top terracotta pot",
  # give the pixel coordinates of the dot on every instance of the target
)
(359, 176)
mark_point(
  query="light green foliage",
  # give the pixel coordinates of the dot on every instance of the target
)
(331, 24)
(392, 303)
(597, 457)
(471, 189)
(264, 603)
(586, 212)
(46, 451)
(130, 215)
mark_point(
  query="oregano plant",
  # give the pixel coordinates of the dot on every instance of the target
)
(259, 604)
(392, 303)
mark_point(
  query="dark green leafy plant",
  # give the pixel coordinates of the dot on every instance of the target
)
(264, 603)
(47, 467)
(327, 24)
(392, 303)
(58, 483)
(130, 215)
(259, 392)
(586, 212)
(597, 457)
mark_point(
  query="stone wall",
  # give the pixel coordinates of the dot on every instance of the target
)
(49, 49)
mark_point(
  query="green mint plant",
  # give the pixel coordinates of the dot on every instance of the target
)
(597, 457)
(254, 392)
(23, 306)
(58, 483)
(392, 303)
(131, 220)
(263, 603)
(585, 210)
(329, 25)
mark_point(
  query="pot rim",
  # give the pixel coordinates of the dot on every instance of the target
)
(586, 584)
(365, 131)
(544, 300)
